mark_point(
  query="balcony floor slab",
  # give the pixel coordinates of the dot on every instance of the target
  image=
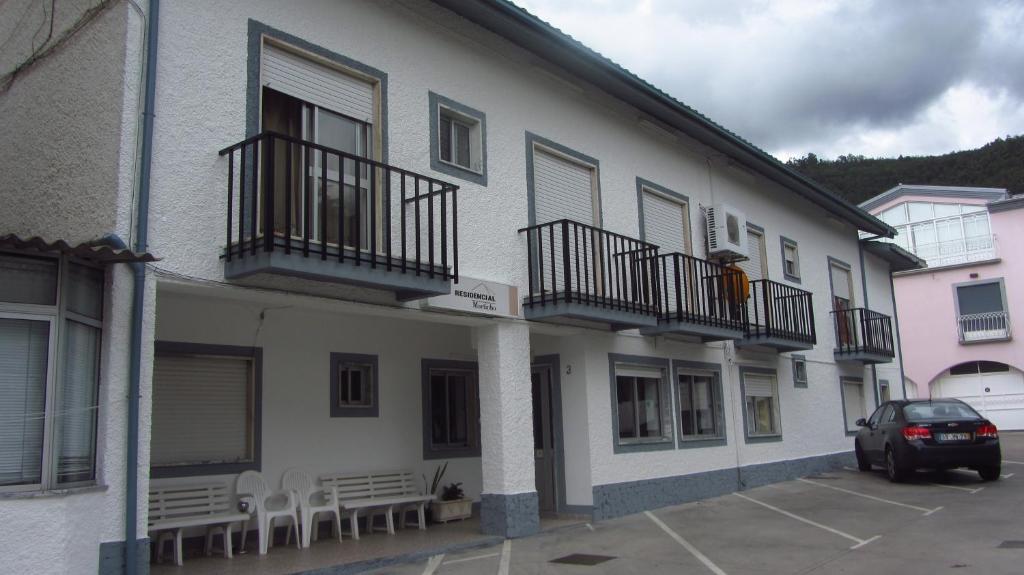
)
(779, 344)
(705, 332)
(618, 319)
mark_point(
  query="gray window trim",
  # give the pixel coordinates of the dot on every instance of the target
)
(723, 439)
(429, 451)
(372, 410)
(842, 397)
(254, 353)
(1002, 291)
(257, 30)
(437, 102)
(755, 227)
(794, 359)
(641, 185)
(532, 140)
(747, 438)
(783, 242)
(662, 443)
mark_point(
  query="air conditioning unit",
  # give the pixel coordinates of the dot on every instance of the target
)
(727, 232)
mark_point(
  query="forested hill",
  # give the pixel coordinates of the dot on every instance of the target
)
(998, 164)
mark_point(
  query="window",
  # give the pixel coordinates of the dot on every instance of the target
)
(975, 367)
(853, 402)
(700, 405)
(641, 405)
(942, 233)
(206, 409)
(883, 390)
(846, 327)
(451, 409)
(665, 218)
(761, 404)
(458, 139)
(790, 260)
(354, 385)
(981, 311)
(876, 417)
(50, 335)
(753, 266)
(799, 371)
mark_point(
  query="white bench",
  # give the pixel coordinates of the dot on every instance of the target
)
(377, 493)
(174, 508)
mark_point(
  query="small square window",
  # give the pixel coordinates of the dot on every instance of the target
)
(354, 385)
(799, 371)
(458, 140)
(790, 260)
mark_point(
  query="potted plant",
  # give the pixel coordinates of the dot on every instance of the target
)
(453, 504)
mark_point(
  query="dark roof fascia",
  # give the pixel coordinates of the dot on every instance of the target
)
(526, 30)
(899, 259)
(991, 194)
(1014, 203)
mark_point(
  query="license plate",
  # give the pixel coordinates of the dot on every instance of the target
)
(954, 436)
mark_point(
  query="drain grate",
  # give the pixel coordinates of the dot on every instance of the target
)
(582, 559)
(1011, 545)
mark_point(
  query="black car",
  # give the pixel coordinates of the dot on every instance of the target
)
(907, 435)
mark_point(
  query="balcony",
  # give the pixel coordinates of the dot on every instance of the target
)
(297, 208)
(863, 336)
(698, 298)
(779, 316)
(984, 327)
(580, 272)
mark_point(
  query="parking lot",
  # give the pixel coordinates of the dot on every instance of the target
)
(838, 522)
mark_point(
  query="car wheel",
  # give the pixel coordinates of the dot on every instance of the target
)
(896, 473)
(862, 460)
(990, 473)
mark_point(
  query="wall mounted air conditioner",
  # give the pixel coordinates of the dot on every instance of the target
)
(727, 232)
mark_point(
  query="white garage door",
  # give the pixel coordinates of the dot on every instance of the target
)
(997, 395)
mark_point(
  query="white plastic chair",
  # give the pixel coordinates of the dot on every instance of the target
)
(268, 506)
(312, 499)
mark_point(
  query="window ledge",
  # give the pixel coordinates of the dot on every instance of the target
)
(460, 167)
(39, 494)
(763, 438)
(697, 443)
(664, 443)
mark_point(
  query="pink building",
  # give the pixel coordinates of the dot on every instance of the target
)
(956, 315)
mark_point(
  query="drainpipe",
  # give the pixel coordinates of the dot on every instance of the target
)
(139, 296)
(864, 287)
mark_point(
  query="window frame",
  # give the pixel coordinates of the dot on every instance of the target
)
(470, 117)
(341, 360)
(255, 354)
(700, 368)
(784, 243)
(748, 437)
(648, 187)
(57, 315)
(666, 440)
(843, 380)
(799, 359)
(432, 366)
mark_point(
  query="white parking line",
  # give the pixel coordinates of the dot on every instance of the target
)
(591, 527)
(473, 558)
(958, 488)
(1008, 475)
(433, 563)
(1013, 462)
(686, 544)
(859, 542)
(924, 510)
(506, 557)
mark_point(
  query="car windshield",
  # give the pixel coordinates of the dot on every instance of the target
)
(939, 410)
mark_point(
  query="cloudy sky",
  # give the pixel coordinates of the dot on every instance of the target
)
(879, 78)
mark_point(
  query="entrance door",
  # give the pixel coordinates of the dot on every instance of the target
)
(543, 439)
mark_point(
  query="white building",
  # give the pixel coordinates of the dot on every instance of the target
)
(594, 357)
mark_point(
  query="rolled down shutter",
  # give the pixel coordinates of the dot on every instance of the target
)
(638, 371)
(754, 266)
(202, 408)
(665, 223)
(759, 385)
(841, 283)
(317, 84)
(562, 189)
(853, 402)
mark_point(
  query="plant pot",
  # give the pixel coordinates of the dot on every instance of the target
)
(445, 511)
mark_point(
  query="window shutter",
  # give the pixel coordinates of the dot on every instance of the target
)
(202, 409)
(759, 385)
(317, 84)
(841, 283)
(665, 223)
(562, 189)
(637, 371)
(754, 266)
(853, 396)
(24, 346)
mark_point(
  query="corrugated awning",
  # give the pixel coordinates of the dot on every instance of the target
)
(95, 251)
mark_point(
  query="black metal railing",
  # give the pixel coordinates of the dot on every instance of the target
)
(297, 196)
(780, 311)
(573, 262)
(860, 330)
(701, 292)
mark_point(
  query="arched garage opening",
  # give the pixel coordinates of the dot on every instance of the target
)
(994, 389)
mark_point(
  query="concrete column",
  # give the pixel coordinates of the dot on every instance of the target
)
(509, 504)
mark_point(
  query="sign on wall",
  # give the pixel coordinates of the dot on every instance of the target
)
(476, 296)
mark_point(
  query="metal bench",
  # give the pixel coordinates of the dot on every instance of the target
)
(378, 494)
(174, 508)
